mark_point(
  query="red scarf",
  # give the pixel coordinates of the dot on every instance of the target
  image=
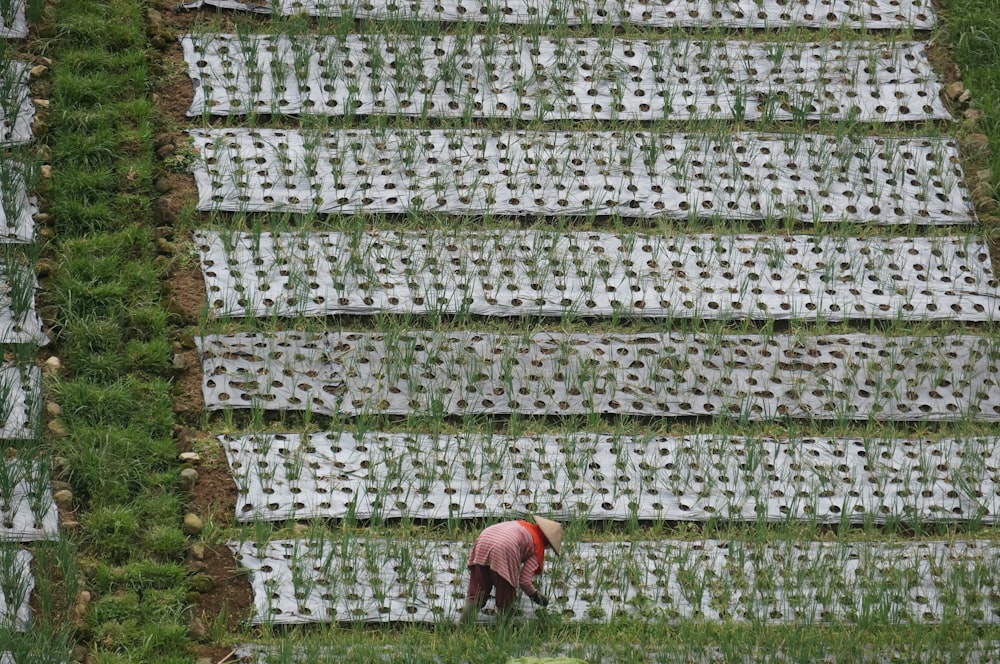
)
(539, 538)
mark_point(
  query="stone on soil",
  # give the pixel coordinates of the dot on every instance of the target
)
(193, 524)
(188, 478)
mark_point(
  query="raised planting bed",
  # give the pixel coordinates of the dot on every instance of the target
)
(510, 272)
(841, 377)
(808, 178)
(371, 579)
(471, 76)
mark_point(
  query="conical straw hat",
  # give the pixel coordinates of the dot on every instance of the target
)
(553, 532)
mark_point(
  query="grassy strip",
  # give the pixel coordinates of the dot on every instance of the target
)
(628, 640)
(972, 29)
(112, 333)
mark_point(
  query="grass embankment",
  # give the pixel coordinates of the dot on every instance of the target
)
(971, 29)
(115, 414)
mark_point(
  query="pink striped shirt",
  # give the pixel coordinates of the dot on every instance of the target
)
(504, 548)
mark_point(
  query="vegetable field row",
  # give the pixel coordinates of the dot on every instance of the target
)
(805, 178)
(604, 477)
(867, 14)
(551, 79)
(518, 273)
(845, 377)
(380, 580)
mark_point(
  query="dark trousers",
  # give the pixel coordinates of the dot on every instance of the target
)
(483, 581)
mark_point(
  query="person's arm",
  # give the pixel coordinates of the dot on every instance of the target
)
(528, 571)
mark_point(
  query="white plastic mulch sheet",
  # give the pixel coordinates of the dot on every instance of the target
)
(968, 652)
(850, 376)
(560, 78)
(27, 511)
(13, 24)
(868, 14)
(808, 178)
(16, 584)
(603, 477)
(20, 395)
(379, 580)
(17, 208)
(19, 322)
(510, 272)
(16, 108)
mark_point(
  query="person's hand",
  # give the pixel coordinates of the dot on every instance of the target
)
(540, 599)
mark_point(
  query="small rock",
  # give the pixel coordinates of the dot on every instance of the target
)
(180, 362)
(166, 247)
(81, 603)
(965, 97)
(954, 90)
(38, 71)
(197, 630)
(193, 524)
(52, 365)
(197, 551)
(64, 499)
(57, 428)
(40, 103)
(44, 153)
(187, 479)
(53, 409)
(45, 170)
(193, 597)
(59, 465)
(154, 18)
(202, 583)
(69, 524)
(187, 341)
(174, 308)
(42, 217)
(59, 485)
(195, 567)
(189, 457)
(165, 151)
(44, 60)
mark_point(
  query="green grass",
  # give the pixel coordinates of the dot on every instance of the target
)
(971, 28)
(112, 335)
(115, 391)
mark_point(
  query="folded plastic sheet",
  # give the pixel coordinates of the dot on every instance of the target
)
(804, 178)
(552, 78)
(381, 580)
(758, 377)
(605, 477)
(511, 272)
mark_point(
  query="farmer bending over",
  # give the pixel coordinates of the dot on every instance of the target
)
(507, 555)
